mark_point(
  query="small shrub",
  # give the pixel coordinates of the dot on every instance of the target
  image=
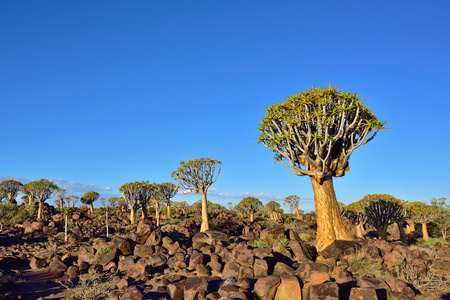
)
(363, 266)
(60, 236)
(428, 282)
(100, 252)
(431, 242)
(91, 289)
(48, 253)
(260, 244)
(286, 242)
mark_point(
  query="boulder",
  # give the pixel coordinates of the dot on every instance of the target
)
(339, 249)
(363, 293)
(273, 233)
(289, 288)
(195, 286)
(132, 293)
(266, 288)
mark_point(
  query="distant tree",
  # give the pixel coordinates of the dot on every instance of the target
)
(230, 206)
(272, 208)
(103, 202)
(293, 202)
(112, 201)
(313, 133)
(89, 198)
(250, 205)
(130, 192)
(381, 213)
(121, 203)
(60, 195)
(355, 214)
(72, 199)
(168, 190)
(182, 205)
(159, 201)
(42, 190)
(443, 215)
(196, 176)
(146, 192)
(239, 209)
(11, 189)
(422, 213)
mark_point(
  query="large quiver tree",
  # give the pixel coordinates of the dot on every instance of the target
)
(11, 189)
(313, 133)
(196, 176)
(42, 190)
(89, 198)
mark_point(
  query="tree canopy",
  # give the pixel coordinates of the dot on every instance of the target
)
(41, 190)
(10, 188)
(89, 198)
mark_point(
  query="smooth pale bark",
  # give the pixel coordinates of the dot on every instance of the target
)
(252, 217)
(40, 210)
(359, 231)
(410, 226)
(157, 213)
(30, 199)
(425, 235)
(132, 217)
(65, 229)
(299, 217)
(91, 207)
(402, 233)
(107, 225)
(329, 223)
(205, 224)
(242, 215)
(168, 212)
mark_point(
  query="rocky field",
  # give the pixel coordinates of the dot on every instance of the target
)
(236, 260)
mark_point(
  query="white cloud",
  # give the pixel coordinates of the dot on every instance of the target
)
(107, 188)
(8, 177)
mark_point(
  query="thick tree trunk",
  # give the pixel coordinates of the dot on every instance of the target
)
(40, 210)
(168, 211)
(299, 217)
(132, 217)
(205, 224)
(252, 217)
(242, 215)
(410, 226)
(382, 233)
(425, 235)
(30, 199)
(144, 213)
(158, 217)
(91, 208)
(359, 231)
(402, 233)
(329, 223)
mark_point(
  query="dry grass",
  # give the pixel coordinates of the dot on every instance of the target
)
(428, 282)
(360, 264)
(93, 288)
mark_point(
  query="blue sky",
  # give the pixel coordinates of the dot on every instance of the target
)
(95, 94)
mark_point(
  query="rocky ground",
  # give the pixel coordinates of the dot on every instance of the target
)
(238, 260)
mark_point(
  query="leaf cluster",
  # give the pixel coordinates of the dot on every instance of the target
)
(197, 175)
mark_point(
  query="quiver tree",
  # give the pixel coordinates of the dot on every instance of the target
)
(145, 191)
(293, 202)
(112, 201)
(72, 199)
(358, 218)
(443, 215)
(60, 195)
(159, 201)
(168, 190)
(89, 198)
(272, 208)
(381, 213)
(130, 192)
(239, 209)
(196, 176)
(42, 190)
(422, 213)
(313, 133)
(10, 188)
(26, 190)
(250, 205)
(103, 202)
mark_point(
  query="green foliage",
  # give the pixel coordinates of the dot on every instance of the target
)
(432, 241)
(10, 188)
(12, 214)
(250, 204)
(100, 252)
(89, 197)
(319, 121)
(292, 201)
(443, 215)
(421, 212)
(260, 244)
(60, 236)
(361, 264)
(272, 206)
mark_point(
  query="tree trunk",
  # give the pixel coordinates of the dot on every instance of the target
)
(252, 217)
(425, 235)
(329, 223)
(402, 233)
(158, 217)
(144, 213)
(168, 212)
(242, 215)
(30, 199)
(91, 207)
(299, 217)
(410, 226)
(205, 225)
(107, 225)
(382, 233)
(40, 210)
(359, 231)
(132, 218)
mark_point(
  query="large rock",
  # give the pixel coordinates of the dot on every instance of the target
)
(301, 251)
(339, 249)
(123, 245)
(37, 263)
(231, 269)
(132, 293)
(243, 257)
(266, 288)
(273, 233)
(143, 250)
(359, 293)
(289, 288)
(327, 290)
(155, 238)
(217, 238)
(143, 231)
(176, 290)
(85, 255)
(57, 267)
(194, 286)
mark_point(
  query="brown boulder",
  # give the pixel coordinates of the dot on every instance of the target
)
(339, 249)
(289, 288)
(194, 286)
(266, 288)
(132, 293)
(363, 293)
(143, 250)
(273, 233)
(327, 290)
(57, 267)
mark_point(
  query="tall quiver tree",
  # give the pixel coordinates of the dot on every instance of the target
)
(130, 193)
(272, 208)
(168, 190)
(89, 198)
(313, 133)
(42, 190)
(293, 202)
(60, 195)
(26, 190)
(11, 189)
(196, 176)
(250, 205)
(443, 215)
(422, 213)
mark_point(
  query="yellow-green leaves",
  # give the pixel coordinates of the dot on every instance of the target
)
(89, 197)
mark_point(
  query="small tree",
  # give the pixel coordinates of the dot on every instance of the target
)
(60, 195)
(10, 188)
(250, 205)
(196, 176)
(443, 215)
(112, 201)
(313, 133)
(42, 190)
(103, 202)
(272, 208)
(380, 214)
(159, 201)
(89, 198)
(72, 199)
(293, 202)
(422, 213)
(130, 192)
(168, 190)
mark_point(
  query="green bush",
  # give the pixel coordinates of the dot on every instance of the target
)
(360, 264)
(60, 236)
(12, 214)
(100, 252)
(260, 244)
(431, 242)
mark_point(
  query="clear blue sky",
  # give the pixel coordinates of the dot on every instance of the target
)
(95, 94)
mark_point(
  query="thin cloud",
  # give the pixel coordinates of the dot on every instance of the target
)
(107, 188)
